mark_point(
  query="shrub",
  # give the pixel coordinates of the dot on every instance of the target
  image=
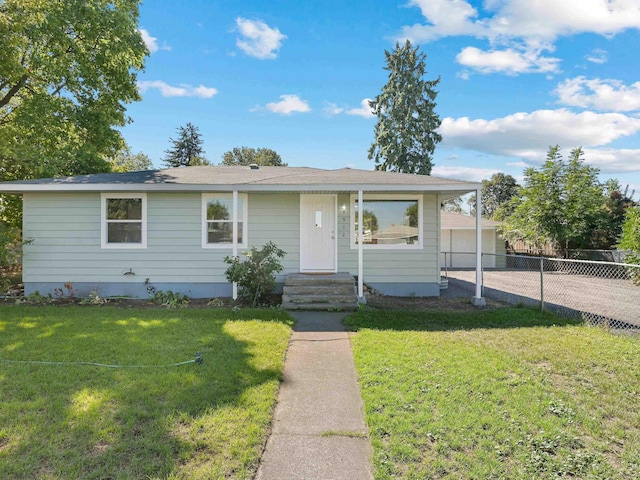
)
(170, 299)
(255, 275)
(630, 240)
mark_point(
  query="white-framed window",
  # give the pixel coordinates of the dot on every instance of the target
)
(123, 220)
(217, 220)
(390, 221)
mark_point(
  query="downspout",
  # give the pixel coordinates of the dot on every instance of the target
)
(477, 300)
(234, 218)
(361, 298)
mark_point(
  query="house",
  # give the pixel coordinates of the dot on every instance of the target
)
(120, 233)
(458, 241)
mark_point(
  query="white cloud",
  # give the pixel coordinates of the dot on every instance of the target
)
(510, 60)
(364, 110)
(611, 160)
(183, 90)
(598, 56)
(607, 94)
(528, 135)
(519, 31)
(542, 19)
(152, 42)
(331, 109)
(289, 104)
(258, 39)
(463, 173)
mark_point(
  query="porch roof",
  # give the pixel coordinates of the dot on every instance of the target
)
(246, 179)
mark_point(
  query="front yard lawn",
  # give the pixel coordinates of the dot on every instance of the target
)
(505, 393)
(67, 420)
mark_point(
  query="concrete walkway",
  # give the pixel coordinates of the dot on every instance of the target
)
(318, 430)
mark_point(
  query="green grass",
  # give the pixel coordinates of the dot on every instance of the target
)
(507, 393)
(189, 421)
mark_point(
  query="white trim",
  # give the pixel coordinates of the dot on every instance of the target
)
(234, 218)
(234, 245)
(103, 221)
(478, 289)
(391, 197)
(360, 245)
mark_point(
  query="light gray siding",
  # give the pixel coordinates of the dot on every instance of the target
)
(65, 229)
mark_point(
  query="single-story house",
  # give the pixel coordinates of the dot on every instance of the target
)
(119, 233)
(458, 241)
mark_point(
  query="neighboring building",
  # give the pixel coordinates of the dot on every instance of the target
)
(458, 241)
(117, 233)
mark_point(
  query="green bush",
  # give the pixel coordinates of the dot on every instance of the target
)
(255, 275)
(630, 240)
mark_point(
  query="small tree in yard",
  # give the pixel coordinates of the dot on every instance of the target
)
(255, 275)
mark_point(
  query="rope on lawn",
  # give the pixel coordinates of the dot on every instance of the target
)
(197, 360)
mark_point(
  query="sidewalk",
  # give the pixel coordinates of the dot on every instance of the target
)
(318, 431)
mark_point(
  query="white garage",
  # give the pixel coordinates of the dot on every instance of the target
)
(458, 241)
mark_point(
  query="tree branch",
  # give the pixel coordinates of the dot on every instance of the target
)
(13, 90)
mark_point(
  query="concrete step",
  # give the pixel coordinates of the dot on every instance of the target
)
(333, 289)
(310, 279)
(350, 306)
(320, 299)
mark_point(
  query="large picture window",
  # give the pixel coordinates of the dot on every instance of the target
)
(388, 221)
(217, 222)
(124, 220)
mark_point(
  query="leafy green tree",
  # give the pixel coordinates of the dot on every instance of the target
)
(559, 204)
(187, 149)
(496, 193)
(453, 205)
(406, 132)
(246, 156)
(67, 70)
(125, 161)
(609, 228)
(630, 240)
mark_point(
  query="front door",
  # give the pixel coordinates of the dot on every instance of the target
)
(318, 233)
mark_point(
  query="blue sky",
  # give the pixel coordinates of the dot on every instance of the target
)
(516, 77)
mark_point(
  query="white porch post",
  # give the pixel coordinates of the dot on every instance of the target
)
(477, 300)
(361, 298)
(234, 224)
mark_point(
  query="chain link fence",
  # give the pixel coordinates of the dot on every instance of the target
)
(600, 293)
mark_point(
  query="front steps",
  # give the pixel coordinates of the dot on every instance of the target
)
(335, 291)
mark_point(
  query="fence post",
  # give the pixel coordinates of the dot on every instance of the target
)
(542, 284)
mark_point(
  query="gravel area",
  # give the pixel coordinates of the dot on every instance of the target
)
(613, 299)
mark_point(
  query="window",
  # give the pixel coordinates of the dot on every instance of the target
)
(217, 224)
(124, 220)
(388, 221)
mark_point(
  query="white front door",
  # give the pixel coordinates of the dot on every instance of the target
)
(318, 233)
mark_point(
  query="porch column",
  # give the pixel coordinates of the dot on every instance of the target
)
(361, 298)
(234, 224)
(477, 300)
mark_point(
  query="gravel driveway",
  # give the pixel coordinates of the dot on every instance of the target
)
(613, 299)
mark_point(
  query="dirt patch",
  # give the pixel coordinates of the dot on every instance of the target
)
(384, 302)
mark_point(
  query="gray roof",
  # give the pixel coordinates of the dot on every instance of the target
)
(217, 178)
(457, 221)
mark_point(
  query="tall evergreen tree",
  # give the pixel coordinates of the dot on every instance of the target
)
(187, 149)
(405, 134)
